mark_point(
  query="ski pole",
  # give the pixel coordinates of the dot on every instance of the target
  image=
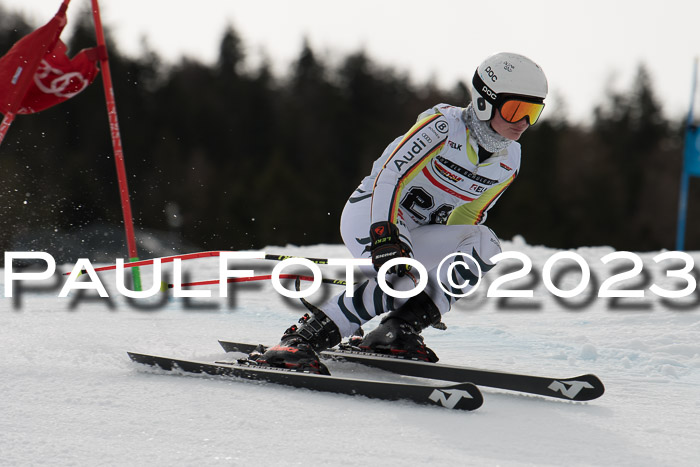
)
(202, 254)
(165, 285)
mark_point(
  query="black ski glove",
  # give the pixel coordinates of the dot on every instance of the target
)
(386, 245)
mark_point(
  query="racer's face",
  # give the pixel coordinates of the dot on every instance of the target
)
(508, 130)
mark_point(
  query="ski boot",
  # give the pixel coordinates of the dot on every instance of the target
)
(299, 347)
(399, 331)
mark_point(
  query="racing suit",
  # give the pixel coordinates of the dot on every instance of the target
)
(437, 185)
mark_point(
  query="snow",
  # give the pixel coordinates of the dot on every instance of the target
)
(70, 396)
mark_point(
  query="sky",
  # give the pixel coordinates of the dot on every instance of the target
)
(585, 48)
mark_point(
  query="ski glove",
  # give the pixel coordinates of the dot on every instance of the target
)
(386, 245)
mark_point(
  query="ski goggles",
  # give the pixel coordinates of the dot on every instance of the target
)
(515, 109)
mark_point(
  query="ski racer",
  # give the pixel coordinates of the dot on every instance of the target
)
(426, 198)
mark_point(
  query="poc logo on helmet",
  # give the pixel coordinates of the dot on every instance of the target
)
(491, 73)
(486, 90)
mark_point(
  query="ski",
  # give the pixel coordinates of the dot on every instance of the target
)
(580, 388)
(462, 396)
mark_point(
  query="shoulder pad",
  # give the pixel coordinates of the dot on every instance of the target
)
(427, 113)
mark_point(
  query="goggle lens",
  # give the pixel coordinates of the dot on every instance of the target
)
(515, 110)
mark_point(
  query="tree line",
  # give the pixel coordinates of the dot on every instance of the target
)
(230, 156)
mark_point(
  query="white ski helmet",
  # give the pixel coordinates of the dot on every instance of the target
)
(506, 76)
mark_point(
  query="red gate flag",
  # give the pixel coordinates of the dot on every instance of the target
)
(36, 73)
(59, 78)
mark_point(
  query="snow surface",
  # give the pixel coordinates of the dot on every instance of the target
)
(70, 396)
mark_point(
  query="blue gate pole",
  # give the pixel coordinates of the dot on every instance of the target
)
(688, 146)
(682, 212)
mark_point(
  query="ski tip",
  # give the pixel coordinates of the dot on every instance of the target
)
(580, 388)
(477, 396)
(598, 387)
(463, 396)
